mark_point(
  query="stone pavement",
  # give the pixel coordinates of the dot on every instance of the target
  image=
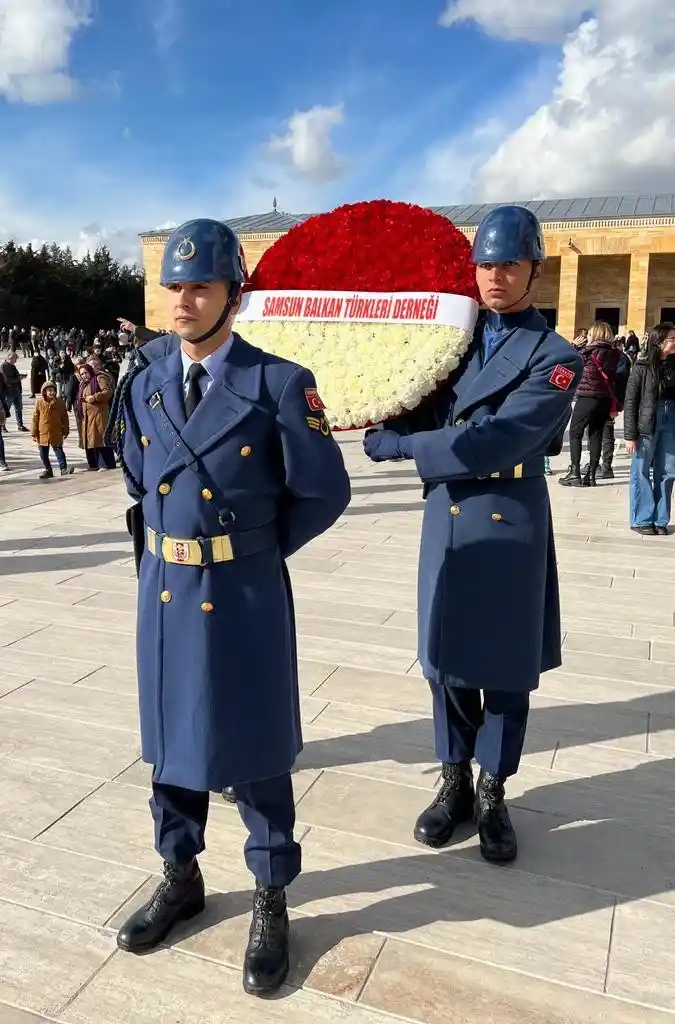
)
(580, 931)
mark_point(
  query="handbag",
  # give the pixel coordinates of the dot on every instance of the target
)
(614, 402)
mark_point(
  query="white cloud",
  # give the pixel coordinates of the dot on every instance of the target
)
(35, 39)
(166, 23)
(538, 20)
(451, 166)
(307, 143)
(609, 126)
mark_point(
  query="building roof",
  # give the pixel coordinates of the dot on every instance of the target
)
(469, 215)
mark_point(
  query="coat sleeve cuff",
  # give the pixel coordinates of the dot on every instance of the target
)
(405, 446)
(435, 455)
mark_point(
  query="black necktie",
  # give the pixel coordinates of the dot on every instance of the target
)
(194, 391)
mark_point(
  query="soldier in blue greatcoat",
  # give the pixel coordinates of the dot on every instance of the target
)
(488, 602)
(233, 471)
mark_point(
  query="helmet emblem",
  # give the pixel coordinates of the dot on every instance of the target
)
(186, 250)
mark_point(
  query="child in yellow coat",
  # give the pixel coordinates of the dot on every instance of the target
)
(51, 427)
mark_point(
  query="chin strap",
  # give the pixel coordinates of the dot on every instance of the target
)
(235, 292)
(535, 264)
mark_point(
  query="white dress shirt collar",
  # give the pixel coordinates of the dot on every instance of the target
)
(212, 364)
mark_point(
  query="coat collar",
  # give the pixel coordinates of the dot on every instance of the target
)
(478, 382)
(235, 389)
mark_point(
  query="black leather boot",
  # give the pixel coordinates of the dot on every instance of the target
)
(266, 959)
(498, 843)
(606, 472)
(452, 806)
(572, 478)
(588, 479)
(178, 897)
(229, 796)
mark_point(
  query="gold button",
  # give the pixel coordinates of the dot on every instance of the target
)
(164, 488)
(207, 606)
(246, 450)
(497, 518)
(455, 510)
(145, 442)
(165, 596)
(206, 494)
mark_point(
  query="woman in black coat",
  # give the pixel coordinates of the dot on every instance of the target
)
(39, 368)
(649, 429)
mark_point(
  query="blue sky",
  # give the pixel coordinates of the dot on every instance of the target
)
(118, 116)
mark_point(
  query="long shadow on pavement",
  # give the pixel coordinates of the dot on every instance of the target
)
(586, 859)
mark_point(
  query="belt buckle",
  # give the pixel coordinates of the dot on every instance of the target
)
(182, 552)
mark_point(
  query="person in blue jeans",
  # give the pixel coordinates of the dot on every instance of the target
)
(649, 430)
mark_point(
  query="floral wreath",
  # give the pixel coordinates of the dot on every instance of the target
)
(378, 299)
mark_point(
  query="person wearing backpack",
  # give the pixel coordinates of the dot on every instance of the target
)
(596, 402)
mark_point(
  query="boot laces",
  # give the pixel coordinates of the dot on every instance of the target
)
(491, 791)
(452, 782)
(174, 874)
(263, 925)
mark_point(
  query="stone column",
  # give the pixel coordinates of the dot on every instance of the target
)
(156, 310)
(636, 317)
(567, 294)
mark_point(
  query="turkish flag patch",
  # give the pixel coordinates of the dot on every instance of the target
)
(314, 400)
(561, 377)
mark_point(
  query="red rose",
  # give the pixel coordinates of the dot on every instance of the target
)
(377, 246)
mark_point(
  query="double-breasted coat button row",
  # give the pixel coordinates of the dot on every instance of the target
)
(206, 606)
(455, 510)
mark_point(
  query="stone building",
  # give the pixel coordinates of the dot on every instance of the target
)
(609, 258)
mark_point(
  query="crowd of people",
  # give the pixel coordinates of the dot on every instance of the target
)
(69, 374)
(31, 340)
(621, 374)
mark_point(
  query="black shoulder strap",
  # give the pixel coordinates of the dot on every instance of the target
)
(114, 434)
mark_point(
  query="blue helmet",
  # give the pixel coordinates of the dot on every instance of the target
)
(508, 233)
(200, 251)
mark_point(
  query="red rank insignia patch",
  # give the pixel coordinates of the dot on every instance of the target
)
(314, 400)
(561, 377)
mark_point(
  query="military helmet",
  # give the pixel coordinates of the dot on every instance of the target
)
(200, 251)
(508, 233)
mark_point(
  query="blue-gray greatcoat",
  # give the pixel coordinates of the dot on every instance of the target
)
(488, 600)
(217, 669)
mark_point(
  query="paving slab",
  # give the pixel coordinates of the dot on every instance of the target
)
(576, 932)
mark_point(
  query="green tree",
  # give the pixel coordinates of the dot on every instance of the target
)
(48, 288)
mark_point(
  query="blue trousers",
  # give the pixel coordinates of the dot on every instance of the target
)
(488, 725)
(652, 471)
(15, 402)
(267, 809)
(58, 452)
